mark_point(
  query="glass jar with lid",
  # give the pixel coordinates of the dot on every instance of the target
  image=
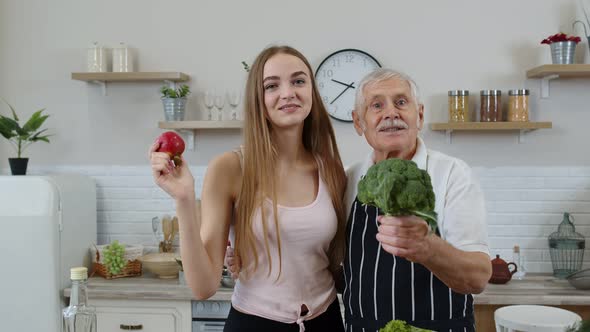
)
(518, 105)
(490, 109)
(458, 105)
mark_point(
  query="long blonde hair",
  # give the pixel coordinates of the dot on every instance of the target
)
(260, 155)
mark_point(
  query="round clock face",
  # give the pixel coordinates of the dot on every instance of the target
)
(338, 77)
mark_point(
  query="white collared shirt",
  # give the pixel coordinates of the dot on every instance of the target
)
(459, 199)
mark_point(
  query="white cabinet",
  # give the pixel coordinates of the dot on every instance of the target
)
(143, 315)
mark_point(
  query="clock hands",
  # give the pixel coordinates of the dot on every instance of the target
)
(351, 85)
(343, 91)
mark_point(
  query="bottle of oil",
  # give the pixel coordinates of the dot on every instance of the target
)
(78, 316)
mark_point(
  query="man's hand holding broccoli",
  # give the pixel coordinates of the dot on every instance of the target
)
(404, 193)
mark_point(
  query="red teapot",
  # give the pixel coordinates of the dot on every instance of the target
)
(501, 272)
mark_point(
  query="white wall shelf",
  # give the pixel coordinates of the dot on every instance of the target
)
(521, 127)
(550, 72)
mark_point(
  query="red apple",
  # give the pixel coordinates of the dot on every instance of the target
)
(172, 144)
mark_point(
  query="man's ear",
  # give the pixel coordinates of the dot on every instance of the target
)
(420, 121)
(357, 123)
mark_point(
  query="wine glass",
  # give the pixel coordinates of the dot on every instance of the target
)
(234, 98)
(219, 103)
(209, 102)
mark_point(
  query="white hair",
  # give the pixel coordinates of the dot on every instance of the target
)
(380, 75)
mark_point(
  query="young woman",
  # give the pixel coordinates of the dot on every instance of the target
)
(280, 196)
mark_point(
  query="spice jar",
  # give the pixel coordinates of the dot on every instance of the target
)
(518, 105)
(458, 105)
(490, 109)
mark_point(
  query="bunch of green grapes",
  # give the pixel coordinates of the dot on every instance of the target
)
(114, 257)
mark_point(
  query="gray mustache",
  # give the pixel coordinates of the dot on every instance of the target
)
(392, 123)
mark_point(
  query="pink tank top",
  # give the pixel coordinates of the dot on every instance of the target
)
(306, 233)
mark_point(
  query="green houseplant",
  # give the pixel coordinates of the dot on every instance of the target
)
(174, 101)
(22, 137)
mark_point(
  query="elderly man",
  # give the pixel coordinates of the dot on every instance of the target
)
(395, 268)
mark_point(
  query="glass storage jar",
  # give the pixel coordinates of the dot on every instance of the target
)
(458, 105)
(566, 247)
(518, 105)
(490, 109)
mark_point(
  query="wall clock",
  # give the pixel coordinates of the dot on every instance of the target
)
(337, 78)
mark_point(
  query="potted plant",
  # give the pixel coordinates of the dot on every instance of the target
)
(174, 101)
(22, 137)
(563, 47)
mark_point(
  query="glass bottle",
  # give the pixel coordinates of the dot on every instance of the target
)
(490, 109)
(518, 259)
(458, 106)
(78, 316)
(566, 247)
(518, 105)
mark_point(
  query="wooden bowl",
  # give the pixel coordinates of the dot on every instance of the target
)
(161, 264)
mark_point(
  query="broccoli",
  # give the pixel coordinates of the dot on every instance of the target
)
(400, 326)
(583, 326)
(399, 188)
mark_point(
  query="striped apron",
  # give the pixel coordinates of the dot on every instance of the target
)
(381, 287)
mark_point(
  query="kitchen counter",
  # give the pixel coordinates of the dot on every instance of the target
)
(534, 289)
(145, 288)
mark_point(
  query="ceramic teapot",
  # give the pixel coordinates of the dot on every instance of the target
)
(501, 272)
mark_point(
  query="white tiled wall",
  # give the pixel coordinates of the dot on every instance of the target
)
(525, 205)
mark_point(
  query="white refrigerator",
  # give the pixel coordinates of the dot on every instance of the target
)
(47, 224)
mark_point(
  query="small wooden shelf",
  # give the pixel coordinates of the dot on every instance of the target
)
(577, 70)
(102, 78)
(550, 72)
(522, 127)
(187, 128)
(131, 77)
(193, 125)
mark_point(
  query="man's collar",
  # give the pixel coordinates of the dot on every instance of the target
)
(419, 157)
(421, 154)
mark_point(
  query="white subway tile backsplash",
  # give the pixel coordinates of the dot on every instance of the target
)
(538, 206)
(125, 193)
(131, 216)
(524, 204)
(567, 183)
(120, 181)
(522, 171)
(510, 219)
(135, 204)
(537, 195)
(509, 182)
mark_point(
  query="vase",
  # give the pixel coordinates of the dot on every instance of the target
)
(174, 108)
(18, 166)
(562, 53)
(566, 247)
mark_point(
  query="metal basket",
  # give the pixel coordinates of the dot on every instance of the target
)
(566, 247)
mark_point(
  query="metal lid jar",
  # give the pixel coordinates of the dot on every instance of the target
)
(490, 109)
(518, 105)
(458, 105)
